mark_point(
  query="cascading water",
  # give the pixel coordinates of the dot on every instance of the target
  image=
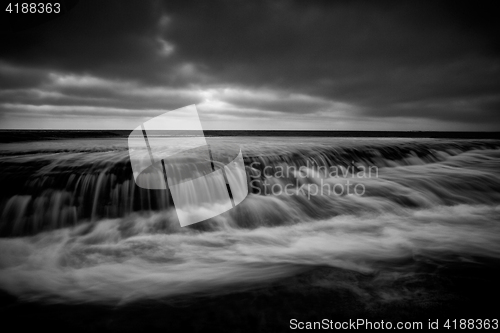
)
(75, 226)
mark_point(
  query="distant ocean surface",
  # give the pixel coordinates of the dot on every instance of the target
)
(422, 237)
(28, 135)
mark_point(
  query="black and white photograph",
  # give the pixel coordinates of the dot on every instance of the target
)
(249, 165)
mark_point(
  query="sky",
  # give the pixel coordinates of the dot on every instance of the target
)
(295, 65)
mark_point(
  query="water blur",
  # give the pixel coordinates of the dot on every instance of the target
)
(76, 228)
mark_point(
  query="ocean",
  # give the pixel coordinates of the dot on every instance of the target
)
(398, 226)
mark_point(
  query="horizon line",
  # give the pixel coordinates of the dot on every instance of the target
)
(261, 130)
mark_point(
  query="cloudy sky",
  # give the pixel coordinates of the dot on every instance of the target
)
(333, 65)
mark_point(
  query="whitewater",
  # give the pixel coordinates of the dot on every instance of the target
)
(76, 229)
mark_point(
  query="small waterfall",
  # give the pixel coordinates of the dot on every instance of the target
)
(77, 228)
(54, 188)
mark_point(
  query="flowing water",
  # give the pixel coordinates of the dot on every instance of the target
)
(76, 228)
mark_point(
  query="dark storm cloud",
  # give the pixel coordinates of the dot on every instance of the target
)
(434, 60)
(371, 55)
(16, 78)
(113, 39)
